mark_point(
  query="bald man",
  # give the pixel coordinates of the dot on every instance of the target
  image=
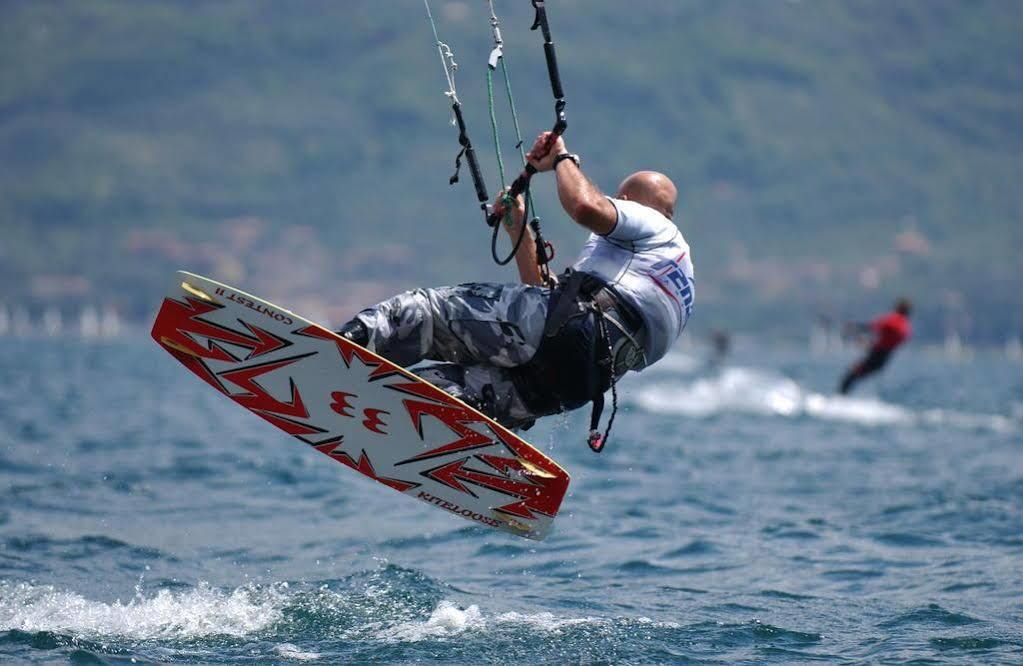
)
(519, 352)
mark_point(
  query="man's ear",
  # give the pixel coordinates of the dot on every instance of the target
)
(623, 197)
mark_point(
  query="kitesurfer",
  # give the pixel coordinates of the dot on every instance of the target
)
(521, 351)
(890, 331)
(720, 343)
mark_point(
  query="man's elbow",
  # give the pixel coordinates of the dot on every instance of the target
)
(594, 215)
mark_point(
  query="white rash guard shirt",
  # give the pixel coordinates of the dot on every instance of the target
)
(646, 259)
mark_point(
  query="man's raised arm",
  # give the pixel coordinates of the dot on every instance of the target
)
(580, 198)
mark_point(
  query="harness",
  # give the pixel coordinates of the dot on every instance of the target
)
(591, 338)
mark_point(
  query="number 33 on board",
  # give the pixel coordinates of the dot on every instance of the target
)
(372, 421)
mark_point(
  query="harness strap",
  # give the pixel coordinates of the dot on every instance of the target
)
(567, 305)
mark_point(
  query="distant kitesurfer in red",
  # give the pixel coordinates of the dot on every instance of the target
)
(890, 331)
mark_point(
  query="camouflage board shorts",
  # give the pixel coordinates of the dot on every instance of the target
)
(475, 332)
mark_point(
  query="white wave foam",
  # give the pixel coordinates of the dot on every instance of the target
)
(448, 620)
(445, 620)
(865, 411)
(751, 391)
(195, 613)
(205, 611)
(291, 651)
(734, 389)
(967, 421)
(546, 622)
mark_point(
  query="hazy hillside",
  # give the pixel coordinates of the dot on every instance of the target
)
(830, 155)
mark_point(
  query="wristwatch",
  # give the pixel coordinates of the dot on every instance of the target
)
(565, 156)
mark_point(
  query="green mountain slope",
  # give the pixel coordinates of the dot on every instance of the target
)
(830, 155)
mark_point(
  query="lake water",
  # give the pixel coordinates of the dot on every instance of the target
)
(742, 513)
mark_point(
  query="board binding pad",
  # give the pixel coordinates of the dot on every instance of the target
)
(358, 408)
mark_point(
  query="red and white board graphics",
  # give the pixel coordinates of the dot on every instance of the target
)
(358, 408)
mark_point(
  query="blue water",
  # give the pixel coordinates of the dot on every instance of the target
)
(740, 514)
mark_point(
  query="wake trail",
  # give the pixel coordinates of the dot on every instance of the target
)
(745, 390)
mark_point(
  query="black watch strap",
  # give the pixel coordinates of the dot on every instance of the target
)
(565, 156)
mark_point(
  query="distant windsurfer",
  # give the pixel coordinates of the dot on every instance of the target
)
(720, 344)
(521, 351)
(890, 331)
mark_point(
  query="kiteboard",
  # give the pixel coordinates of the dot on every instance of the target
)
(358, 408)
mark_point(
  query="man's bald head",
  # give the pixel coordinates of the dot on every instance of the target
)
(652, 189)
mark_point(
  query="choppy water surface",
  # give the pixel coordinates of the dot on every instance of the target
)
(740, 514)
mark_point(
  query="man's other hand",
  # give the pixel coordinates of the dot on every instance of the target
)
(548, 146)
(517, 210)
